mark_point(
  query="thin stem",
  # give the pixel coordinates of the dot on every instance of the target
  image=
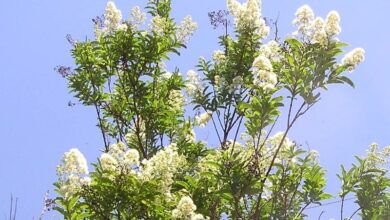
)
(342, 207)
(236, 135)
(16, 207)
(97, 109)
(11, 208)
(355, 212)
(297, 115)
(290, 109)
(319, 217)
(301, 211)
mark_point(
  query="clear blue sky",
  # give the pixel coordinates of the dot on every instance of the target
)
(37, 126)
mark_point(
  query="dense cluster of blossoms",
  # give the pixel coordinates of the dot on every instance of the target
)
(203, 119)
(176, 100)
(271, 50)
(286, 146)
(316, 30)
(119, 159)
(263, 75)
(353, 58)
(159, 25)
(247, 16)
(72, 172)
(375, 157)
(185, 210)
(137, 17)
(112, 19)
(163, 166)
(219, 57)
(193, 84)
(303, 18)
(186, 29)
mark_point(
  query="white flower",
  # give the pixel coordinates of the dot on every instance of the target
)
(131, 157)
(262, 63)
(247, 16)
(333, 23)
(203, 119)
(319, 34)
(263, 75)
(271, 50)
(86, 181)
(117, 150)
(353, 58)
(276, 140)
(74, 162)
(166, 76)
(375, 157)
(176, 101)
(219, 57)
(313, 154)
(186, 29)
(108, 162)
(193, 86)
(191, 136)
(137, 17)
(112, 18)
(158, 25)
(198, 217)
(219, 83)
(303, 17)
(162, 166)
(71, 172)
(185, 210)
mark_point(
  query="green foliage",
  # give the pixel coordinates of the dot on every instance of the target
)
(244, 90)
(368, 181)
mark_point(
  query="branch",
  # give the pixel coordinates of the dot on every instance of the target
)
(355, 212)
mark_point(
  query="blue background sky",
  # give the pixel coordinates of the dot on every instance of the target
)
(37, 126)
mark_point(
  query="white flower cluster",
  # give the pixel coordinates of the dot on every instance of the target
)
(247, 16)
(185, 210)
(163, 166)
(219, 83)
(137, 17)
(285, 148)
(203, 119)
(193, 85)
(112, 19)
(190, 136)
(176, 100)
(376, 158)
(219, 57)
(119, 159)
(316, 30)
(263, 75)
(303, 18)
(72, 172)
(353, 58)
(332, 27)
(271, 50)
(186, 29)
(159, 25)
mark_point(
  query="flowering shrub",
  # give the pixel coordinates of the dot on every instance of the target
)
(152, 165)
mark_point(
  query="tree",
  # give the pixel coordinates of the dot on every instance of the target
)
(153, 167)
